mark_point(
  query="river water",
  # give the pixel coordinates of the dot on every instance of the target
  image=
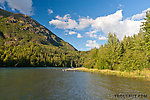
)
(54, 84)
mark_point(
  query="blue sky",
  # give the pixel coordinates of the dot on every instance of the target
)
(84, 23)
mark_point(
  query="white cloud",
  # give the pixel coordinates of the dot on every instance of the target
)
(24, 6)
(92, 44)
(64, 22)
(110, 20)
(102, 38)
(79, 35)
(65, 18)
(138, 16)
(112, 23)
(141, 15)
(148, 9)
(50, 11)
(92, 33)
(84, 23)
(72, 32)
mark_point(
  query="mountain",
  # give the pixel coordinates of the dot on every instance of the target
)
(15, 24)
(25, 42)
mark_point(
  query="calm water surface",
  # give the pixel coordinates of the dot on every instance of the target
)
(54, 84)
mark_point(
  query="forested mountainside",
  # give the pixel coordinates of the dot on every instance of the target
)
(132, 53)
(24, 42)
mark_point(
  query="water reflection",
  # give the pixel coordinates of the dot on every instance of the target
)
(53, 84)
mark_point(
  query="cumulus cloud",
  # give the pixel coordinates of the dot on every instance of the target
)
(92, 34)
(64, 22)
(112, 23)
(101, 22)
(79, 35)
(72, 32)
(24, 6)
(84, 23)
(92, 44)
(50, 11)
(138, 16)
(141, 15)
(65, 18)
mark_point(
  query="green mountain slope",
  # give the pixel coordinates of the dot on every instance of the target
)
(24, 42)
(18, 27)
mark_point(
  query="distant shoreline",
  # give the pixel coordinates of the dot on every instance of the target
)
(137, 74)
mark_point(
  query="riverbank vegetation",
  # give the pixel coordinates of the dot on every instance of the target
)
(137, 74)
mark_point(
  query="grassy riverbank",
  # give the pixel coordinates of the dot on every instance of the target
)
(144, 74)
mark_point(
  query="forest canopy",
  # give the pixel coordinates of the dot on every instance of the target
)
(132, 53)
(26, 43)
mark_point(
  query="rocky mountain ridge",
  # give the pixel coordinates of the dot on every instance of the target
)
(27, 24)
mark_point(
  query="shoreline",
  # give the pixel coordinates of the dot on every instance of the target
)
(137, 74)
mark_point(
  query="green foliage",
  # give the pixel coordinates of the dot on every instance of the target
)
(24, 42)
(132, 53)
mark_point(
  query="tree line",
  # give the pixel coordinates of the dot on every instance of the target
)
(132, 53)
(29, 49)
